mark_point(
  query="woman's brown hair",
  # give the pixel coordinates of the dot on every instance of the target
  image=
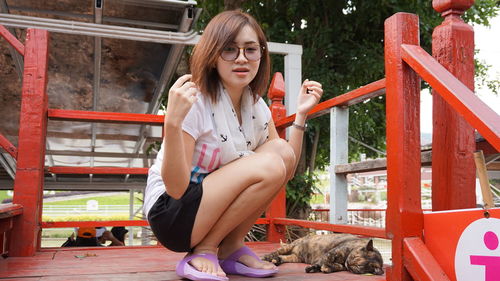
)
(220, 32)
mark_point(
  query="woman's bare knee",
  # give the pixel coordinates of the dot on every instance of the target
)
(284, 150)
(273, 168)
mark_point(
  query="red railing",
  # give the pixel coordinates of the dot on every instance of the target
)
(105, 117)
(278, 220)
(455, 93)
(361, 94)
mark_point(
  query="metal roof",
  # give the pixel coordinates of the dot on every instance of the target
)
(104, 55)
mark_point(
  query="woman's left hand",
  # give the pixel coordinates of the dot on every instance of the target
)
(309, 96)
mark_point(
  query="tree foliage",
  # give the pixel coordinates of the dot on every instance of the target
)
(343, 49)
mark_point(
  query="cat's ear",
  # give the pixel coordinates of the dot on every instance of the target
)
(369, 246)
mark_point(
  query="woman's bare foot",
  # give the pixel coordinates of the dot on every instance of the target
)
(205, 265)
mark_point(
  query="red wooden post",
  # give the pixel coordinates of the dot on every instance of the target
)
(28, 185)
(453, 143)
(277, 209)
(404, 213)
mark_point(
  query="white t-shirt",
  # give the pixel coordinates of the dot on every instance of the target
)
(206, 157)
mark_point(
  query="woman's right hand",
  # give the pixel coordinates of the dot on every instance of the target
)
(181, 97)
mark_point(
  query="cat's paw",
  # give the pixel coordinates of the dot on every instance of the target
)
(313, 268)
(326, 269)
(329, 268)
(275, 259)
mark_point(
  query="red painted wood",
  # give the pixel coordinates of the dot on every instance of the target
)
(105, 117)
(276, 94)
(361, 94)
(344, 228)
(138, 263)
(62, 224)
(351, 210)
(442, 6)
(58, 170)
(10, 210)
(8, 146)
(404, 214)
(3, 248)
(12, 40)
(277, 209)
(420, 262)
(28, 185)
(486, 147)
(455, 93)
(5, 226)
(453, 142)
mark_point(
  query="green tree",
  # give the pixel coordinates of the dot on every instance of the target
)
(343, 49)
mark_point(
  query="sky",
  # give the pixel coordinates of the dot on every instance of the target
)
(487, 40)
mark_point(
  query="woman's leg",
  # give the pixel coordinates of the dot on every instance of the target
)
(235, 239)
(234, 196)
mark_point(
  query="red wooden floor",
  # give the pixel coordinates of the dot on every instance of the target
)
(133, 263)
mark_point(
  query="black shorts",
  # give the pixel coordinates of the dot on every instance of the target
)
(172, 220)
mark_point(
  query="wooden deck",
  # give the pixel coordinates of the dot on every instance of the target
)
(133, 263)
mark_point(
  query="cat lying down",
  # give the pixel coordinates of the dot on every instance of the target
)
(331, 253)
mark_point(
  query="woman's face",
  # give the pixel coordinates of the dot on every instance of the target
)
(239, 62)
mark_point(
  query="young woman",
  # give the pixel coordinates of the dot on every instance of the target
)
(222, 162)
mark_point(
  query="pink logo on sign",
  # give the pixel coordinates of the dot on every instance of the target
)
(491, 263)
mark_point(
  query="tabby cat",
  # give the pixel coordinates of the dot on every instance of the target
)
(331, 253)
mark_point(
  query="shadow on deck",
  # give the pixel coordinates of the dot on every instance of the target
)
(134, 263)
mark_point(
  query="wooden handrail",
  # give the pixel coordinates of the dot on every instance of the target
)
(420, 263)
(105, 117)
(453, 91)
(12, 40)
(10, 210)
(358, 95)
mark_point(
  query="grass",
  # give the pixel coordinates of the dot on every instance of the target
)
(3, 195)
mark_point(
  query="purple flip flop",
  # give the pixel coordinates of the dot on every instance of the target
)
(185, 270)
(230, 265)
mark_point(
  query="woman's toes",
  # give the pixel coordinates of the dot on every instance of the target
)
(204, 268)
(221, 272)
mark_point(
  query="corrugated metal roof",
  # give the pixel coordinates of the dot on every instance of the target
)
(96, 74)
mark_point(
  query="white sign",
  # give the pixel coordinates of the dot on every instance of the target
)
(477, 257)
